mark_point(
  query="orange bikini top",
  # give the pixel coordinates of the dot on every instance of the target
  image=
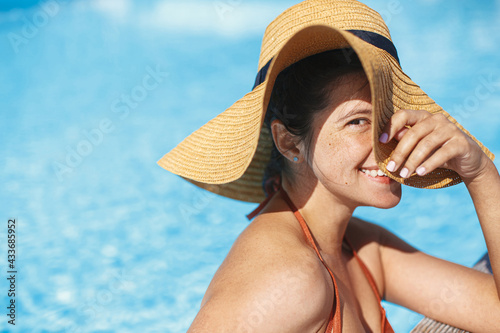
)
(335, 321)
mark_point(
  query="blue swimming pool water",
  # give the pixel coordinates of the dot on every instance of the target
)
(109, 242)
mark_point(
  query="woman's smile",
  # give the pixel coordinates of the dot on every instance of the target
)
(376, 175)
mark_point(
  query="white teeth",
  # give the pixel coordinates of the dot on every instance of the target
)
(374, 173)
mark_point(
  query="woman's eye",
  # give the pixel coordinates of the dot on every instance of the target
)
(358, 122)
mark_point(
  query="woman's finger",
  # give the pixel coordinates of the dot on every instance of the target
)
(426, 146)
(420, 134)
(439, 158)
(407, 143)
(416, 144)
(400, 121)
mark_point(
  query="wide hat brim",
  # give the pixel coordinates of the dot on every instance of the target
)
(229, 154)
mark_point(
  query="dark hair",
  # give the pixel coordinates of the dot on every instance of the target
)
(302, 90)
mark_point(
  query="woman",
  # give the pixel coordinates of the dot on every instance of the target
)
(333, 124)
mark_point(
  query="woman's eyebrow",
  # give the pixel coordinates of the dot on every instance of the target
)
(355, 112)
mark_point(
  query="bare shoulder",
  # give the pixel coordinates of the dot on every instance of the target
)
(370, 240)
(270, 280)
(368, 234)
(366, 237)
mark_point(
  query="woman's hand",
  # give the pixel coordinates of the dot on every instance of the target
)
(426, 142)
(429, 141)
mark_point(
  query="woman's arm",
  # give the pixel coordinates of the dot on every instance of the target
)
(485, 193)
(444, 291)
(439, 289)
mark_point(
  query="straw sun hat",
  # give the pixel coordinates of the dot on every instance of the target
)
(229, 154)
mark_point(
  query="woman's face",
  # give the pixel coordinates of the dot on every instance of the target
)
(341, 154)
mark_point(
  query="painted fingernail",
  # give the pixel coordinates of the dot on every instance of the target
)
(404, 173)
(391, 166)
(421, 171)
(384, 137)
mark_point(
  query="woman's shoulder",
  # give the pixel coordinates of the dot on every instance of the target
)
(361, 231)
(367, 239)
(368, 235)
(270, 263)
(273, 248)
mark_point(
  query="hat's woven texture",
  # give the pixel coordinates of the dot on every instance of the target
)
(229, 154)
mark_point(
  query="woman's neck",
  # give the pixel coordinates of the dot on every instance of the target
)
(325, 214)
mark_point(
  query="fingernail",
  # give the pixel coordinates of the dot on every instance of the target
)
(391, 166)
(404, 173)
(384, 137)
(421, 171)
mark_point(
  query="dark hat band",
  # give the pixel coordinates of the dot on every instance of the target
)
(372, 38)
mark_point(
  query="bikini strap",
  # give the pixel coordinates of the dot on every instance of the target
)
(335, 320)
(365, 269)
(385, 324)
(271, 187)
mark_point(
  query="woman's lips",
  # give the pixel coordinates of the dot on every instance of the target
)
(376, 175)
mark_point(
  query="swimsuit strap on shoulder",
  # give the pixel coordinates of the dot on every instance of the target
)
(335, 320)
(386, 326)
(367, 273)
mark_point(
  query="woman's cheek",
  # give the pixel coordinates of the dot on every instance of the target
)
(336, 157)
